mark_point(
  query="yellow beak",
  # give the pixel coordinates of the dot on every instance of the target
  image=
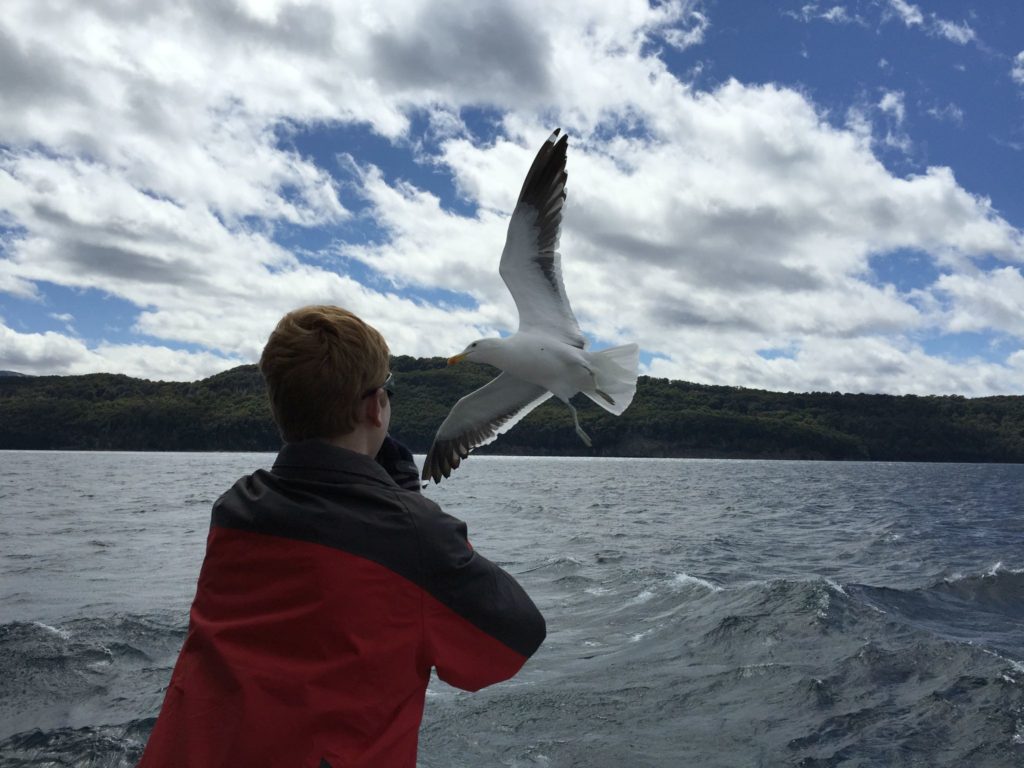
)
(457, 358)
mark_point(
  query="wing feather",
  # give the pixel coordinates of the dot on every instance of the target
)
(530, 263)
(478, 419)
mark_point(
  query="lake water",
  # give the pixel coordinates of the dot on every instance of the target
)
(700, 613)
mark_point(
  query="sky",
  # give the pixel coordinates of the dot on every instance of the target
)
(793, 196)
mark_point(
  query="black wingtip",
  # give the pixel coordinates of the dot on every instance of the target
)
(546, 172)
(442, 458)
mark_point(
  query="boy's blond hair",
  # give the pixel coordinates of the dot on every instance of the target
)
(318, 363)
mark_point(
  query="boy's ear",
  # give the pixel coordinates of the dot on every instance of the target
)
(372, 410)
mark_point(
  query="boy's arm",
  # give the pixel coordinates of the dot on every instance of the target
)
(480, 625)
(398, 461)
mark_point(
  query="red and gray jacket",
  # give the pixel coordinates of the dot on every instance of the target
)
(326, 596)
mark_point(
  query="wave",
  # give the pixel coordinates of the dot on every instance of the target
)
(681, 580)
(1000, 589)
(556, 565)
(84, 671)
(849, 664)
(110, 746)
(63, 634)
(982, 609)
(847, 668)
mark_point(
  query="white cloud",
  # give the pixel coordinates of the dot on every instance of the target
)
(1017, 71)
(54, 353)
(858, 124)
(892, 103)
(707, 225)
(958, 33)
(130, 170)
(835, 14)
(891, 112)
(898, 140)
(987, 301)
(909, 12)
(860, 365)
(194, 279)
(39, 352)
(690, 33)
(869, 364)
(749, 224)
(912, 16)
(950, 113)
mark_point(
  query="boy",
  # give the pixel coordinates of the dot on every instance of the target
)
(329, 591)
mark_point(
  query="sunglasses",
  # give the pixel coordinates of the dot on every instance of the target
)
(388, 386)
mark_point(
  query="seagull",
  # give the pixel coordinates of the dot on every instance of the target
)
(548, 354)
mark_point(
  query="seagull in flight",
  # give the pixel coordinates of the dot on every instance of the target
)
(548, 354)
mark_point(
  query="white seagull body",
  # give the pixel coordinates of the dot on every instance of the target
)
(548, 354)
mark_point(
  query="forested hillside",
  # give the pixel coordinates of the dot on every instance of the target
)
(668, 418)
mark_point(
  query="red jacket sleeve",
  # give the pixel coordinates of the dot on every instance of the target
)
(480, 624)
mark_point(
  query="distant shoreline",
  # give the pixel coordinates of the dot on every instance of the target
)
(475, 457)
(228, 413)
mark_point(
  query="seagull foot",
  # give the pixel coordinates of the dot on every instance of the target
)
(576, 422)
(583, 436)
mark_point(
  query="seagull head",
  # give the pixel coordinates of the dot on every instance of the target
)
(480, 351)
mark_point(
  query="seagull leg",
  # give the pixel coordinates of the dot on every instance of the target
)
(579, 430)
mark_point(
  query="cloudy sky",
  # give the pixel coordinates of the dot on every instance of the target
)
(793, 195)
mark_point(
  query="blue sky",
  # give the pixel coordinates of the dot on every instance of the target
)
(791, 196)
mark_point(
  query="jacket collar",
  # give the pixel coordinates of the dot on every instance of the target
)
(317, 459)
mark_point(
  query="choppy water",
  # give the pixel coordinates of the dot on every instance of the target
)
(700, 613)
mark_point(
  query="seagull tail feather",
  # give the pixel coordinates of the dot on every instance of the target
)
(615, 372)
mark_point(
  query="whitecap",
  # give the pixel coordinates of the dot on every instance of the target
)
(1015, 665)
(685, 579)
(995, 570)
(63, 634)
(837, 587)
(1000, 568)
(824, 602)
(643, 597)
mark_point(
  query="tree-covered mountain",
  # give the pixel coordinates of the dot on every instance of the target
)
(667, 418)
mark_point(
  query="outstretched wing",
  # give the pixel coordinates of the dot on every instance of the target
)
(530, 264)
(478, 419)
